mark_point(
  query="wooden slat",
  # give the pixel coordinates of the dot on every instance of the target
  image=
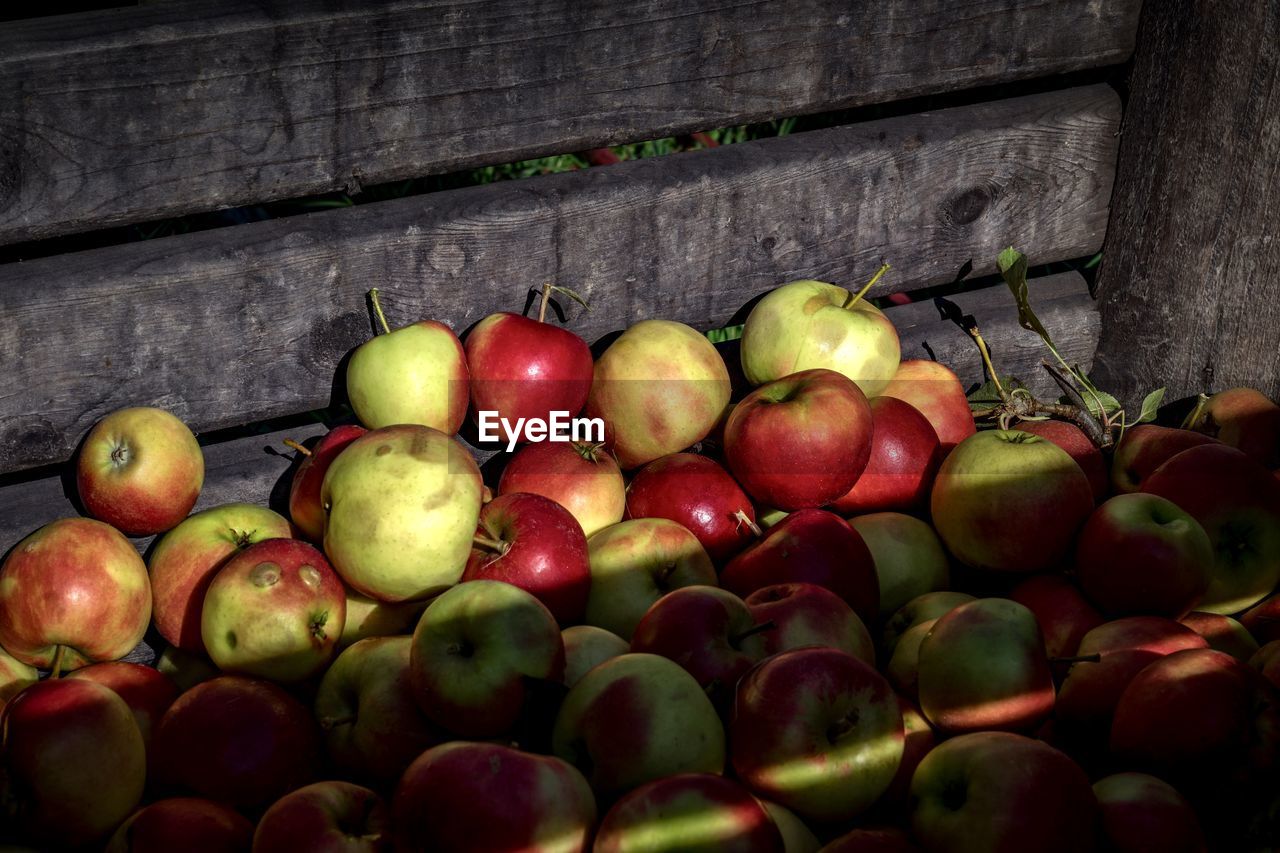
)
(246, 323)
(136, 114)
(255, 469)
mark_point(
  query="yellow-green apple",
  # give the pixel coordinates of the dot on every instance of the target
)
(147, 691)
(14, 676)
(403, 502)
(585, 646)
(710, 632)
(368, 617)
(185, 560)
(1078, 446)
(189, 824)
(325, 817)
(810, 546)
(880, 839)
(688, 813)
(1145, 448)
(1245, 419)
(414, 375)
(1188, 717)
(1139, 554)
(983, 666)
(800, 441)
(1263, 619)
(1141, 812)
(305, 507)
(768, 516)
(365, 706)
(918, 610)
(1267, 661)
(274, 610)
(998, 484)
(74, 761)
(474, 651)
(1237, 502)
(238, 740)
(636, 718)
(185, 669)
(139, 470)
(634, 563)
(459, 797)
(1061, 611)
(903, 666)
(75, 591)
(918, 739)
(908, 556)
(1124, 648)
(935, 391)
(1222, 633)
(998, 792)
(523, 368)
(532, 542)
(818, 731)
(808, 324)
(904, 458)
(659, 388)
(695, 492)
(582, 478)
(796, 837)
(805, 614)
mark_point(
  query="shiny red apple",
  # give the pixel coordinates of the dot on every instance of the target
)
(697, 493)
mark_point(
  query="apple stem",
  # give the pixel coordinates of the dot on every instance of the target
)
(752, 631)
(742, 518)
(542, 307)
(986, 360)
(55, 668)
(497, 546)
(853, 299)
(328, 723)
(289, 442)
(377, 309)
(1096, 657)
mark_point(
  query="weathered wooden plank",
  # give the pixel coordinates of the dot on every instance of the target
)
(242, 324)
(256, 469)
(135, 114)
(1190, 280)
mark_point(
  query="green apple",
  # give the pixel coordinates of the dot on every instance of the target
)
(403, 502)
(414, 375)
(585, 646)
(920, 609)
(368, 617)
(909, 557)
(634, 563)
(796, 837)
(15, 675)
(184, 668)
(807, 324)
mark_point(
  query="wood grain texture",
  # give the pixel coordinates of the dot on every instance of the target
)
(1190, 278)
(136, 114)
(258, 469)
(246, 323)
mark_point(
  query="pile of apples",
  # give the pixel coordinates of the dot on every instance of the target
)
(833, 614)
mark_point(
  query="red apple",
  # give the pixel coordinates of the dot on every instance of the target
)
(325, 817)
(904, 457)
(237, 740)
(305, 507)
(75, 586)
(998, 484)
(698, 494)
(1078, 446)
(1237, 502)
(1267, 661)
(800, 441)
(1246, 419)
(74, 761)
(805, 614)
(997, 792)
(1222, 633)
(937, 394)
(1145, 448)
(459, 797)
(818, 731)
(1140, 554)
(690, 813)
(1263, 620)
(534, 543)
(1141, 813)
(810, 546)
(189, 824)
(184, 561)
(919, 740)
(1061, 611)
(274, 610)
(146, 691)
(873, 840)
(582, 478)
(140, 470)
(523, 368)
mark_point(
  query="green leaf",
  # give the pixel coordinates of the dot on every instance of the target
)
(1013, 268)
(728, 333)
(1110, 405)
(1150, 405)
(987, 396)
(555, 288)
